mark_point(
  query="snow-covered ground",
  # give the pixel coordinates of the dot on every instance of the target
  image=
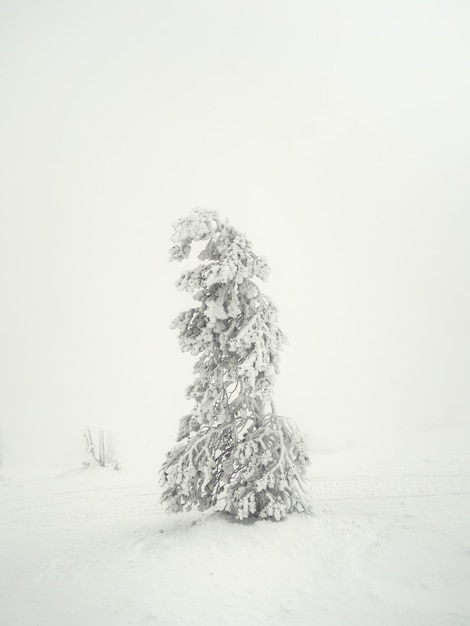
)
(388, 544)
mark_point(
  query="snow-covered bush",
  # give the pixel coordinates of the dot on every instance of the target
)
(233, 449)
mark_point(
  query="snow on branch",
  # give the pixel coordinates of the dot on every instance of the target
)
(233, 449)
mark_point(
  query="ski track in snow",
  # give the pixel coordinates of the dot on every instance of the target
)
(397, 486)
(73, 506)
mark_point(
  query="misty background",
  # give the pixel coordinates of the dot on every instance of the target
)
(335, 135)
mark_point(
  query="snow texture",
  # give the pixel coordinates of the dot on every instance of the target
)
(383, 547)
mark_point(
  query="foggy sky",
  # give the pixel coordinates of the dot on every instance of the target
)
(335, 135)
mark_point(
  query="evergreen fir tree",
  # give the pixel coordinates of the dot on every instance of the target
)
(233, 449)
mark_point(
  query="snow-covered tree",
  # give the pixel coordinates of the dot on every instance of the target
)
(233, 449)
(105, 455)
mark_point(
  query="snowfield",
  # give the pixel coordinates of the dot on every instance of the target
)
(388, 544)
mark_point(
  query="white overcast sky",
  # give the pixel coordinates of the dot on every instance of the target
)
(334, 134)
